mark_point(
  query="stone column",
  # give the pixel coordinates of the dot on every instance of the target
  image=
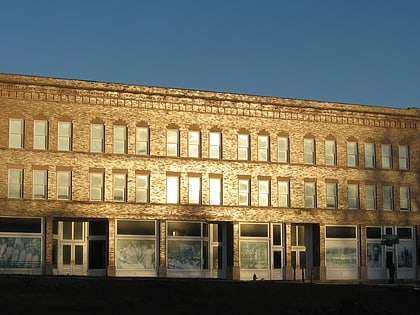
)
(236, 272)
(322, 267)
(111, 269)
(288, 251)
(363, 267)
(163, 270)
(48, 269)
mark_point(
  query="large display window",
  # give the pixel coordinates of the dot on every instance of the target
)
(21, 246)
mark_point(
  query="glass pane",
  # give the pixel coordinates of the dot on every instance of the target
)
(97, 254)
(78, 230)
(341, 232)
(277, 259)
(20, 225)
(184, 229)
(66, 254)
(276, 234)
(373, 232)
(97, 227)
(136, 227)
(254, 230)
(253, 255)
(78, 254)
(67, 230)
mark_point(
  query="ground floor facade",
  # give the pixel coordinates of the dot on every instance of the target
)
(194, 249)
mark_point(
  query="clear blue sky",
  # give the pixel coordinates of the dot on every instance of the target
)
(351, 51)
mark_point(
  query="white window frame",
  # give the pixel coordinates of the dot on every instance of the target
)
(40, 184)
(96, 187)
(40, 135)
(194, 190)
(63, 185)
(263, 144)
(283, 193)
(404, 198)
(172, 189)
(310, 195)
(370, 191)
(120, 139)
(15, 183)
(244, 192)
(64, 130)
(352, 154)
(119, 187)
(142, 188)
(194, 147)
(142, 140)
(215, 190)
(331, 195)
(264, 193)
(370, 155)
(387, 198)
(309, 151)
(386, 155)
(403, 157)
(353, 197)
(16, 133)
(330, 153)
(172, 142)
(243, 147)
(215, 145)
(97, 138)
(283, 149)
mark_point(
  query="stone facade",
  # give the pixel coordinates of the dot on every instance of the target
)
(84, 103)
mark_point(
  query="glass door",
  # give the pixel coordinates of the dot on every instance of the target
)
(298, 251)
(72, 248)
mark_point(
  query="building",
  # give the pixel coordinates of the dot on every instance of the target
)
(113, 179)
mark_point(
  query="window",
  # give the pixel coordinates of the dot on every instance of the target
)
(352, 154)
(142, 140)
(404, 198)
(39, 185)
(309, 151)
(264, 193)
(369, 155)
(194, 190)
(244, 192)
(263, 148)
(386, 156)
(172, 142)
(172, 189)
(63, 185)
(215, 190)
(120, 139)
(330, 154)
(283, 149)
(243, 147)
(16, 128)
(353, 196)
(119, 190)
(194, 144)
(97, 143)
(387, 198)
(370, 197)
(310, 195)
(15, 183)
(40, 134)
(96, 186)
(142, 188)
(331, 195)
(403, 157)
(215, 145)
(64, 136)
(283, 193)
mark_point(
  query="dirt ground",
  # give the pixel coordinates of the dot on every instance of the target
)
(65, 295)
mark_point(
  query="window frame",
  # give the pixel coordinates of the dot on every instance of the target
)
(142, 189)
(404, 198)
(194, 143)
(352, 154)
(370, 193)
(264, 193)
(243, 147)
(39, 184)
(120, 143)
(215, 145)
(99, 188)
(40, 138)
(216, 192)
(142, 140)
(331, 195)
(66, 139)
(283, 193)
(309, 151)
(17, 137)
(353, 196)
(194, 190)
(11, 183)
(387, 198)
(310, 187)
(172, 142)
(66, 186)
(263, 148)
(330, 153)
(97, 141)
(403, 157)
(119, 190)
(283, 149)
(370, 160)
(244, 192)
(386, 156)
(173, 198)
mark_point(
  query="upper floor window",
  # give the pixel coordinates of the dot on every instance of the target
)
(370, 197)
(142, 188)
(404, 198)
(172, 189)
(215, 183)
(15, 183)
(352, 154)
(16, 128)
(283, 149)
(40, 134)
(309, 151)
(353, 196)
(370, 155)
(386, 156)
(330, 153)
(263, 193)
(215, 139)
(39, 186)
(120, 139)
(63, 185)
(142, 140)
(194, 144)
(387, 198)
(243, 147)
(172, 142)
(119, 189)
(194, 190)
(263, 148)
(97, 138)
(283, 193)
(96, 186)
(331, 195)
(403, 160)
(244, 190)
(310, 194)
(64, 136)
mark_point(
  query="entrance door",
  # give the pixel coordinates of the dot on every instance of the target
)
(298, 252)
(72, 248)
